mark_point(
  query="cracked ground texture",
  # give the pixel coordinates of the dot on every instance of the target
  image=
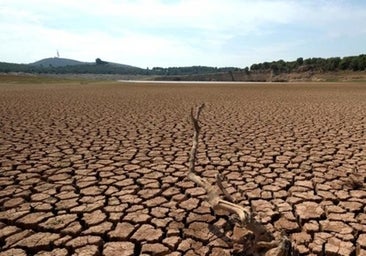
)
(99, 169)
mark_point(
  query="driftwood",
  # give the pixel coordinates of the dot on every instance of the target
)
(263, 242)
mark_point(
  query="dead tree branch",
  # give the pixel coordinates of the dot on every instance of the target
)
(262, 238)
(222, 188)
(212, 193)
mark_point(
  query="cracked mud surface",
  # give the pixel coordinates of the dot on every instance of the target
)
(100, 169)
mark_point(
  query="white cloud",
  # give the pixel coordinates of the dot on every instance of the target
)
(31, 42)
(168, 33)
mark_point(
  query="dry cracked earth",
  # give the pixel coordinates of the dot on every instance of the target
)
(100, 169)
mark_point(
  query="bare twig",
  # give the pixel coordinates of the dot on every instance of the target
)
(197, 128)
(212, 193)
(223, 190)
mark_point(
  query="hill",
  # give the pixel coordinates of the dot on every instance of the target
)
(69, 66)
(57, 62)
(311, 69)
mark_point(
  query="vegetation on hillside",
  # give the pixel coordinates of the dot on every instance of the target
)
(355, 63)
(193, 70)
(56, 62)
(103, 67)
(74, 69)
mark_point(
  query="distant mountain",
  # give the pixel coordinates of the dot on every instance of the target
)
(299, 69)
(63, 62)
(57, 62)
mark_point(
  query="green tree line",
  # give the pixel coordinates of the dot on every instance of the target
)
(101, 67)
(193, 70)
(355, 63)
(74, 69)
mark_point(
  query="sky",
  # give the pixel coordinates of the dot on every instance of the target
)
(170, 33)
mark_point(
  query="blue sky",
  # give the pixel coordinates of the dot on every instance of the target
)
(148, 33)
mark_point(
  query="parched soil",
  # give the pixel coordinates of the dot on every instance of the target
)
(99, 169)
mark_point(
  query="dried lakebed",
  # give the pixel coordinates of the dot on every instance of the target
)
(100, 169)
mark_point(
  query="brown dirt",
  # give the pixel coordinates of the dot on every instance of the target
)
(100, 168)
